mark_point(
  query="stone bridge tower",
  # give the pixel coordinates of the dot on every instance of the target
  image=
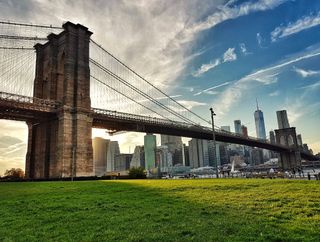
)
(291, 159)
(61, 146)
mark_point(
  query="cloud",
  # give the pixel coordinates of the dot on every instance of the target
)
(306, 73)
(12, 153)
(229, 55)
(298, 109)
(259, 40)
(206, 67)
(265, 76)
(153, 37)
(315, 146)
(312, 87)
(209, 90)
(275, 93)
(244, 49)
(191, 104)
(301, 24)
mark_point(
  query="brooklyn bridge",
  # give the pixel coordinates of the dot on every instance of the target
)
(62, 83)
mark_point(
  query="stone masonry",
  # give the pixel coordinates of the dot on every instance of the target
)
(61, 146)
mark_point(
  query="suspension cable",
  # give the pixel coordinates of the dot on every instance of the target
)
(103, 83)
(140, 92)
(172, 99)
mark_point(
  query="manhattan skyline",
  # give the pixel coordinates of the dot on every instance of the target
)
(221, 55)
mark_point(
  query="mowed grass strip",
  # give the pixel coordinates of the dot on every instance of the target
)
(161, 210)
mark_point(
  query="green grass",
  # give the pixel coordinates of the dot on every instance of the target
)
(161, 210)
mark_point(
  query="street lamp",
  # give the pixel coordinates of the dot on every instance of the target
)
(214, 142)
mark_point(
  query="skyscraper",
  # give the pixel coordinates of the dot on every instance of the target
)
(259, 120)
(225, 128)
(199, 153)
(100, 149)
(237, 126)
(174, 144)
(282, 118)
(244, 130)
(299, 140)
(272, 137)
(113, 150)
(150, 145)
(138, 157)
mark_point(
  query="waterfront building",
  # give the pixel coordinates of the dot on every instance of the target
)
(100, 148)
(138, 157)
(237, 126)
(150, 145)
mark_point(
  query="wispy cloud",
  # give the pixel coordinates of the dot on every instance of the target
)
(301, 24)
(210, 89)
(228, 56)
(298, 109)
(275, 93)
(312, 87)
(244, 49)
(260, 40)
(305, 73)
(206, 67)
(191, 104)
(265, 76)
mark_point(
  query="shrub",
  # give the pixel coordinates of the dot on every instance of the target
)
(137, 173)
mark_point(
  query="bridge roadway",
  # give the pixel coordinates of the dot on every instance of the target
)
(23, 108)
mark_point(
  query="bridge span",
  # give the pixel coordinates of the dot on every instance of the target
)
(23, 108)
(73, 85)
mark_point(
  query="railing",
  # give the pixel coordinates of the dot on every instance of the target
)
(29, 100)
(164, 122)
(129, 117)
(146, 119)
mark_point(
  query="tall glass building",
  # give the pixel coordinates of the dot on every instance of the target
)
(237, 126)
(150, 146)
(260, 127)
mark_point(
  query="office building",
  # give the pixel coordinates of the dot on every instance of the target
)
(299, 140)
(122, 162)
(100, 148)
(198, 153)
(150, 145)
(186, 157)
(138, 157)
(282, 118)
(163, 158)
(257, 156)
(174, 144)
(237, 126)
(272, 137)
(214, 157)
(112, 151)
(259, 121)
(244, 131)
(226, 128)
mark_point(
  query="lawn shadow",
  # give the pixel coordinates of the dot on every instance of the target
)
(148, 210)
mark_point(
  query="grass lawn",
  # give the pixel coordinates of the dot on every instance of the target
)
(161, 210)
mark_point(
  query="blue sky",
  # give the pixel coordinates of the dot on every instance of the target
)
(279, 48)
(223, 54)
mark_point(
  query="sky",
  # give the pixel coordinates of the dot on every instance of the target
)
(219, 54)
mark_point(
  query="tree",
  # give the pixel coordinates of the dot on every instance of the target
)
(14, 173)
(137, 173)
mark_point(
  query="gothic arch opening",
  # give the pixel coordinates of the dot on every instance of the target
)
(282, 140)
(290, 140)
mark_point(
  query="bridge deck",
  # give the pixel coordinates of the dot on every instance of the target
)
(24, 108)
